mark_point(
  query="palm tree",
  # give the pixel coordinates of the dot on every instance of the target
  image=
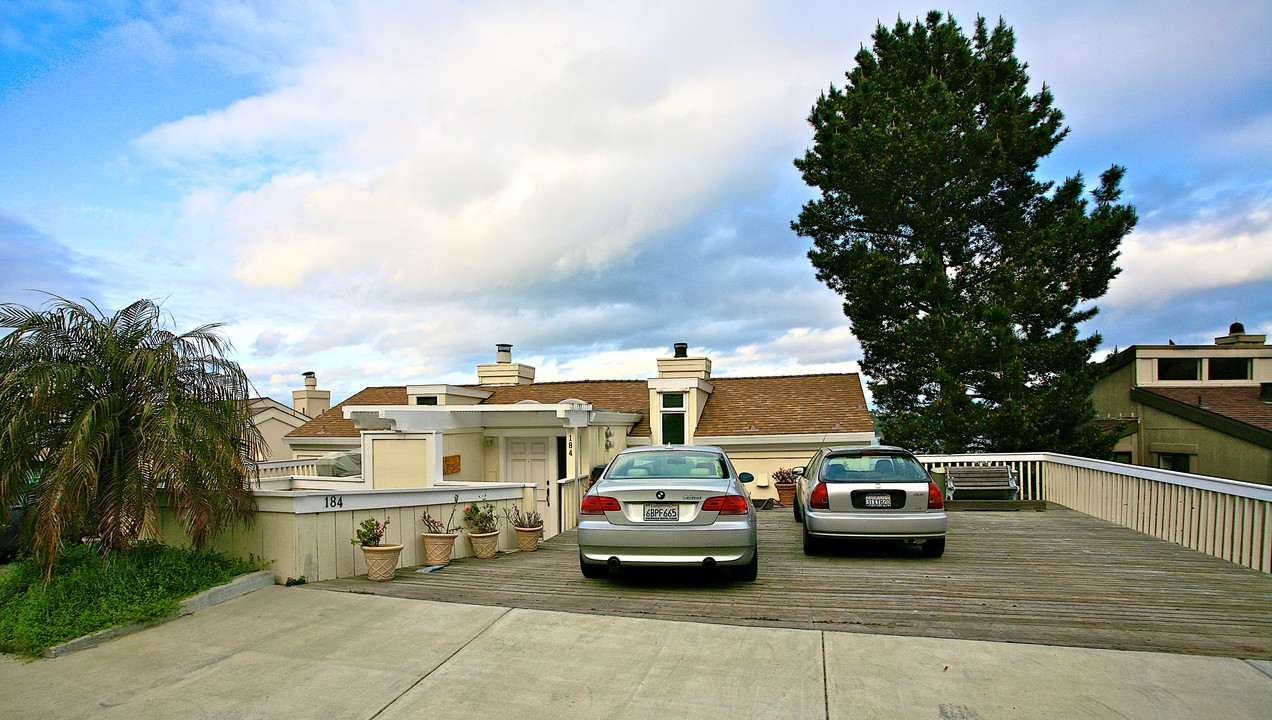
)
(115, 414)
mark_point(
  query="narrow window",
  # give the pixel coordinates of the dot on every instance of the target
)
(1179, 462)
(673, 428)
(673, 418)
(426, 400)
(1228, 368)
(1178, 369)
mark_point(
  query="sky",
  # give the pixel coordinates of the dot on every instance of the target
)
(380, 192)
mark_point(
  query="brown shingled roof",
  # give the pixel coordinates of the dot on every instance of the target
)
(1235, 403)
(333, 423)
(786, 405)
(782, 405)
(623, 395)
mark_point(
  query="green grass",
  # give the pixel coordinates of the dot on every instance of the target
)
(91, 591)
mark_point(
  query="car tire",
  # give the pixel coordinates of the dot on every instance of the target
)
(812, 545)
(593, 572)
(749, 571)
(934, 548)
(799, 514)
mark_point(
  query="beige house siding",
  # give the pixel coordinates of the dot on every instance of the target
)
(1111, 395)
(1214, 453)
(400, 462)
(467, 445)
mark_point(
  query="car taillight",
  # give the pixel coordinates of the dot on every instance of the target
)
(726, 505)
(598, 505)
(935, 500)
(819, 499)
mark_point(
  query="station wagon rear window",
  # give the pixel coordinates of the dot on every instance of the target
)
(871, 468)
(672, 464)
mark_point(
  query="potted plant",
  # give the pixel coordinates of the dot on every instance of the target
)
(784, 481)
(529, 525)
(381, 559)
(439, 539)
(483, 527)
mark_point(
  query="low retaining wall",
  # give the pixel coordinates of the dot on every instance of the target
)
(308, 532)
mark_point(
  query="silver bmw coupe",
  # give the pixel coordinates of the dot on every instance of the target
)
(671, 505)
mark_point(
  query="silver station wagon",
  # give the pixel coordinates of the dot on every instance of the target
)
(668, 506)
(869, 493)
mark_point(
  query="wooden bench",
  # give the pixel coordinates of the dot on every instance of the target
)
(980, 482)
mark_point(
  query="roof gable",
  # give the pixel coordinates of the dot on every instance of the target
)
(333, 423)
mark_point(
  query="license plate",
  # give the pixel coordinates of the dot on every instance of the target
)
(879, 501)
(666, 511)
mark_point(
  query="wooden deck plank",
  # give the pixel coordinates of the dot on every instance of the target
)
(1056, 578)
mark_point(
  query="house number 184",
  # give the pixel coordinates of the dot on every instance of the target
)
(333, 501)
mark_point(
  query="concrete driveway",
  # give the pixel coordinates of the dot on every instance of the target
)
(296, 653)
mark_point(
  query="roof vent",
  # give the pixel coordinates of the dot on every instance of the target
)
(681, 350)
(1236, 328)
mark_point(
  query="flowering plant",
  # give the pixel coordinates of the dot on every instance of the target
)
(371, 532)
(528, 519)
(785, 475)
(480, 516)
(435, 527)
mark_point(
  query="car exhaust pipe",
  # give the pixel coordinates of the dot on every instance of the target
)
(614, 563)
(709, 563)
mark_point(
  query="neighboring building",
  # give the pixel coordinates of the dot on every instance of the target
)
(275, 420)
(1204, 409)
(508, 428)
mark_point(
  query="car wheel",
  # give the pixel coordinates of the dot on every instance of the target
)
(749, 571)
(594, 572)
(799, 514)
(812, 545)
(934, 548)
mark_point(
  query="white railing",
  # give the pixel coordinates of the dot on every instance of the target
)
(1028, 468)
(284, 468)
(569, 495)
(1224, 518)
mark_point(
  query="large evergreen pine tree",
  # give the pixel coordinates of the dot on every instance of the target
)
(965, 277)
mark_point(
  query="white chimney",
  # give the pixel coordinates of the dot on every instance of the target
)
(311, 402)
(504, 371)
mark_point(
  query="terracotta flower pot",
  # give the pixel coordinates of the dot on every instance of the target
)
(381, 560)
(438, 547)
(528, 538)
(484, 544)
(785, 493)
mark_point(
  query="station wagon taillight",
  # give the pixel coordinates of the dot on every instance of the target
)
(598, 505)
(819, 499)
(726, 505)
(935, 499)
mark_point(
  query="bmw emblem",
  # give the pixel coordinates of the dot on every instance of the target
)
(660, 494)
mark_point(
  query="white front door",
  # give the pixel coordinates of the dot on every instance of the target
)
(530, 462)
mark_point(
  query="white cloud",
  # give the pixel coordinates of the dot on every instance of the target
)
(1210, 252)
(494, 149)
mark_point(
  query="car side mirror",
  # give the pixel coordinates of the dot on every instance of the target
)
(799, 470)
(746, 477)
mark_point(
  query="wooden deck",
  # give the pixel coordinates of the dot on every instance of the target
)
(1056, 578)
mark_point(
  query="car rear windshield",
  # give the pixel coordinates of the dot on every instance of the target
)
(671, 464)
(871, 468)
